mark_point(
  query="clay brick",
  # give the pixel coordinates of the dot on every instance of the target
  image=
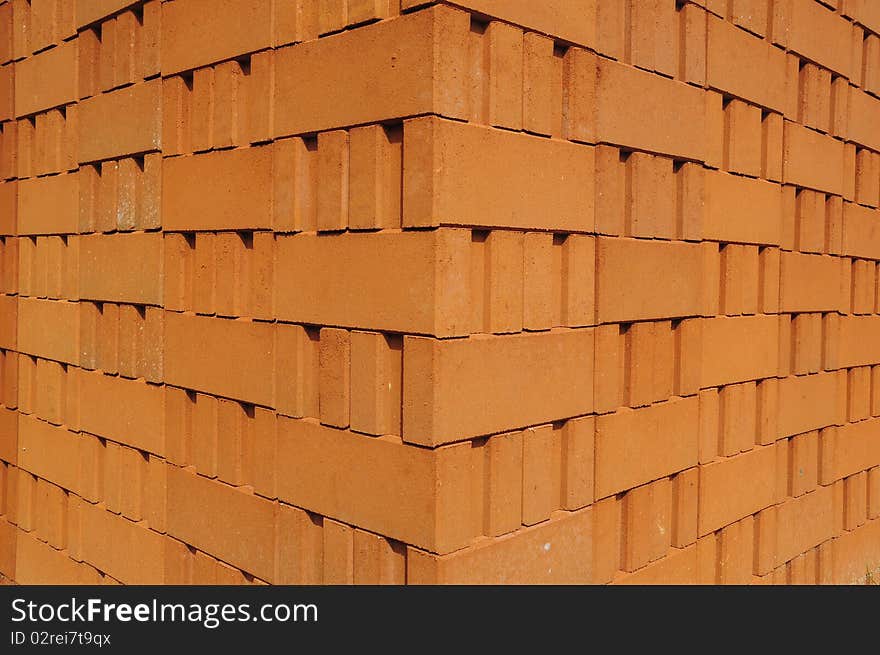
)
(856, 552)
(360, 65)
(650, 368)
(138, 419)
(48, 205)
(32, 93)
(504, 483)
(815, 33)
(624, 268)
(49, 451)
(742, 210)
(375, 174)
(738, 418)
(434, 302)
(124, 268)
(650, 200)
(334, 378)
(853, 450)
(856, 347)
(234, 359)
(538, 281)
(855, 497)
(296, 365)
(736, 349)
(235, 190)
(812, 160)
(809, 283)
(646, 524)
(553, 18)
(735, 552)
(724, 500)
(516, 199)
(430, 488)
(742, 138)
(739, 279)
(504, 69)
(200, 32)
(49, 328)
(128, 551)
(539, 115)
(679, 567)
(196, 505)
(803, 404)
(376, 374)
(648, 429)
(541, 483)
(685, 498)
(858, 393)
(637, 109)
(744, 65)
(804, 461)
(445, 396)
(864, 111)
(377, 560)
(874, 493)
(122, 122)
(554, 552)
(39, 563)
(338, 553)
(803, 523)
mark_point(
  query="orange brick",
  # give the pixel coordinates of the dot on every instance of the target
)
(122, 122)
(127, 551)
(738, 348)
(195, 504)
(809, 283)
(378, 560)
(430, 488)
(210, 369)
(48, 205)
(745, 65)
(803, 403)
(637, 109)
(376, 370)
(445, 396)
(755, 204)
(541, 468)
(32, 93)
(361, 66)
(504, 481)
(346, 294)
(124, 268)
(803, 523)
(724, 500)
(624, 268)
(855, 499)
(735, 552)
(799, 141)
(628, 431)
(516, 199)
(555, 551)
(234, 194)
(334, 378)
(646, 524)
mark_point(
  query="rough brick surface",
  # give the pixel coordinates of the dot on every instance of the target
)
(435, 291)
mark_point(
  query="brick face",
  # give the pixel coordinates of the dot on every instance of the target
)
(420, 292)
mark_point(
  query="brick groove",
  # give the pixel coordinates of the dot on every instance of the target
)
(406, 291)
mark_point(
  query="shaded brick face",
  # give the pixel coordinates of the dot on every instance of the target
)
(415, 291)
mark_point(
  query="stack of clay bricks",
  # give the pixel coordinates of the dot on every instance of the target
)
(401, 291)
